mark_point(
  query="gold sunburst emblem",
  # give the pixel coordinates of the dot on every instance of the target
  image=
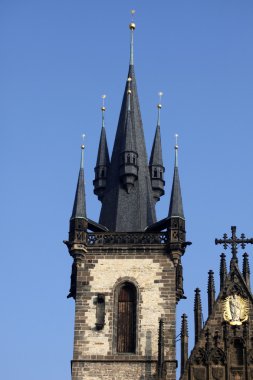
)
(235, 309)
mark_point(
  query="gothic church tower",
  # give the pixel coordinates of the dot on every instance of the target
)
(127, 272)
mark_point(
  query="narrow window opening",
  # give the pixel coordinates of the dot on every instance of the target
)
(126, 323)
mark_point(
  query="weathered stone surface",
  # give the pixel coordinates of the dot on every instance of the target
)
(95, 351)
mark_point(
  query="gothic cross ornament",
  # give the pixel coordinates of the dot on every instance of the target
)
(234, 241)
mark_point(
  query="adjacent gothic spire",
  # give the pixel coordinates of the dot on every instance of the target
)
(79, 208)
(103, 160)
(197, 314)
(184, 342)
(176, 204)
(156, 167)
(128, 206)
(210, 292)
(223, 270)
(78, 222)
(246, 269)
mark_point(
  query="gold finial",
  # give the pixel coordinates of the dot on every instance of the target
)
(132, 24)
(159, 105)
(103, 103)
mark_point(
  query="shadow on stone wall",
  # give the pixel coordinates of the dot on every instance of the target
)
(148, 354)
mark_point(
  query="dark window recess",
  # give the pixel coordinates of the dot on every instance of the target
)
(126, 324)
(100, 312)
(237, 353)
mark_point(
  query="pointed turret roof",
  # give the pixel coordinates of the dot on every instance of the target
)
(103, 154)
(133, 211)
(176, 204)
(129, 141)
(79, 208)
(156, 153)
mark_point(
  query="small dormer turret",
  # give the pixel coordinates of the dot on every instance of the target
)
(129, 156)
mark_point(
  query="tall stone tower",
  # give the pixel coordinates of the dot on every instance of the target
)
(127, 272)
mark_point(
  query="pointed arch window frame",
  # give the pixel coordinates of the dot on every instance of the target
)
(116, 292)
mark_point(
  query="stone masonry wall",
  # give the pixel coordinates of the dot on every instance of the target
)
(95, 355)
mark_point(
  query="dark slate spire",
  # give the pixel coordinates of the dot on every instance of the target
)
(210, 292)
(246, 269)
(223, 270)
(103, 161)
(184, 342)
(78, 222)
(156, 167)
(134, 210)
(79, 208)
(197, 314)
(176, 204)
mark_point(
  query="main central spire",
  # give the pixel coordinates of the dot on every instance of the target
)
(128, 203)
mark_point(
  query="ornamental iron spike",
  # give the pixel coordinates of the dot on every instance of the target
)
(234, 241)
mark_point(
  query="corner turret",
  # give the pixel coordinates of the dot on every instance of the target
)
(78, 222)
(103, 160)
(78, 225)
(176, 220)
(156, 167)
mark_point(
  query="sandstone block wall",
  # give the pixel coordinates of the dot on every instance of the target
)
(95, 355)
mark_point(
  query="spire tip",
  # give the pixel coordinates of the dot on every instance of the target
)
(103, 103)
(160, 94)
(132, 25)
(176, 150)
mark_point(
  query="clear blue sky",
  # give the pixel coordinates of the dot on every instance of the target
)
(57, 57)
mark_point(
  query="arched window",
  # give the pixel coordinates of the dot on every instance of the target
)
(126, 319)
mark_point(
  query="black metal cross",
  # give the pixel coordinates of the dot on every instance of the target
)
(234, 241)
